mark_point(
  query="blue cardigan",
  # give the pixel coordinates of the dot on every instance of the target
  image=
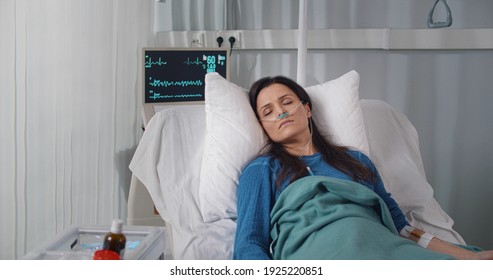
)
(257, 194)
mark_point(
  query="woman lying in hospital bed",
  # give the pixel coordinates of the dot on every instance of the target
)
(307, 198)
(190, 161)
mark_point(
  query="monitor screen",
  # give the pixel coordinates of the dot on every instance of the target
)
(177, 75)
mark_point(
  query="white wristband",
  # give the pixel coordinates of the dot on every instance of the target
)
(406, 231)
(425, 240)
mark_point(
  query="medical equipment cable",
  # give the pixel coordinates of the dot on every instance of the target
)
(309, 139)
(232, 41)
(310, 172)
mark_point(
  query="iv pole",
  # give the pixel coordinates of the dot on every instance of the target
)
(302, 39)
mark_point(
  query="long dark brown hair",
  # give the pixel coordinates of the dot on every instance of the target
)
(293, 167)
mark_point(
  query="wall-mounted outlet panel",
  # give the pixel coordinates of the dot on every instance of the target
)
(230, 33)
(196, 39)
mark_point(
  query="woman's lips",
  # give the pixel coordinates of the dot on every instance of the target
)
(284, 123)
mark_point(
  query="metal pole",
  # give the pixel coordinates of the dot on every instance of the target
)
(302, 39)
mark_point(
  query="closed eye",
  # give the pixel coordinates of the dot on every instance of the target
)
(266, 113)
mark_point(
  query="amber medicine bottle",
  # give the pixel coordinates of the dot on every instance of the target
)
(115, 240)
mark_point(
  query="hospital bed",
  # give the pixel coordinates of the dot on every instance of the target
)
(183, 168)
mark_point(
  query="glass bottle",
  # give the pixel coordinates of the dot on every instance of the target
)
(115, 240)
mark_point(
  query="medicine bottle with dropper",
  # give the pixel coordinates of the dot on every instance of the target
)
(115, 240)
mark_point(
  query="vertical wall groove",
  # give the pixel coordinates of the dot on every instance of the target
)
(20, 124)
(15, 229)
(115, 185)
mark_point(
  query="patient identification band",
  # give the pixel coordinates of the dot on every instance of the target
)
(424, 239)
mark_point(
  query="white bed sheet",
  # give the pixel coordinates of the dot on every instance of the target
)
(168, 162)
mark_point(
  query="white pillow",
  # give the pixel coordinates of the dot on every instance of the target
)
(337, 111)
(234, 136)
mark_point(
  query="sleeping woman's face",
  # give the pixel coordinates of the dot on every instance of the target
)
(292, 127)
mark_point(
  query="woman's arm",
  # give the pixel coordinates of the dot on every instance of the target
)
(255, 200)
(378, 187)
(435, 244)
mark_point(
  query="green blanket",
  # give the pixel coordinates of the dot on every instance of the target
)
(325, 218)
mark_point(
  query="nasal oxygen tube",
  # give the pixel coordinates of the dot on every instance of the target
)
(310, 171)
(283, 115)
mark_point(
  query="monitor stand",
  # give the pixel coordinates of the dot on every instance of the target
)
(147, 113)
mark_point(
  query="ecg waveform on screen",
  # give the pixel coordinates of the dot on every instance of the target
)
(157, 95)
(183, 83)
(179, 75)
(192, 62)
(149, 62)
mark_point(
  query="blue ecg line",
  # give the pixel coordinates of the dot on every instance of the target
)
(196, 61)
(159, 83)
(149, 62)
(156, 95)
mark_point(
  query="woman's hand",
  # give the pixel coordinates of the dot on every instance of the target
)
(484, 255)
(444, 247)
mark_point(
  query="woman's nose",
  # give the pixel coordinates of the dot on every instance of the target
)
(281, 112)
(281, 109)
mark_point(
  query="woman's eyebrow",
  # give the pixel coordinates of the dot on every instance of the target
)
(268, 104)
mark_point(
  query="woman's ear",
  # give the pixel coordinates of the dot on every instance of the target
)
(307, 108)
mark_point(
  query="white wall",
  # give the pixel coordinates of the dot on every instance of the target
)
(70, 114)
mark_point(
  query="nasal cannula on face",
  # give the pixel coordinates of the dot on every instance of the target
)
(282, 115)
